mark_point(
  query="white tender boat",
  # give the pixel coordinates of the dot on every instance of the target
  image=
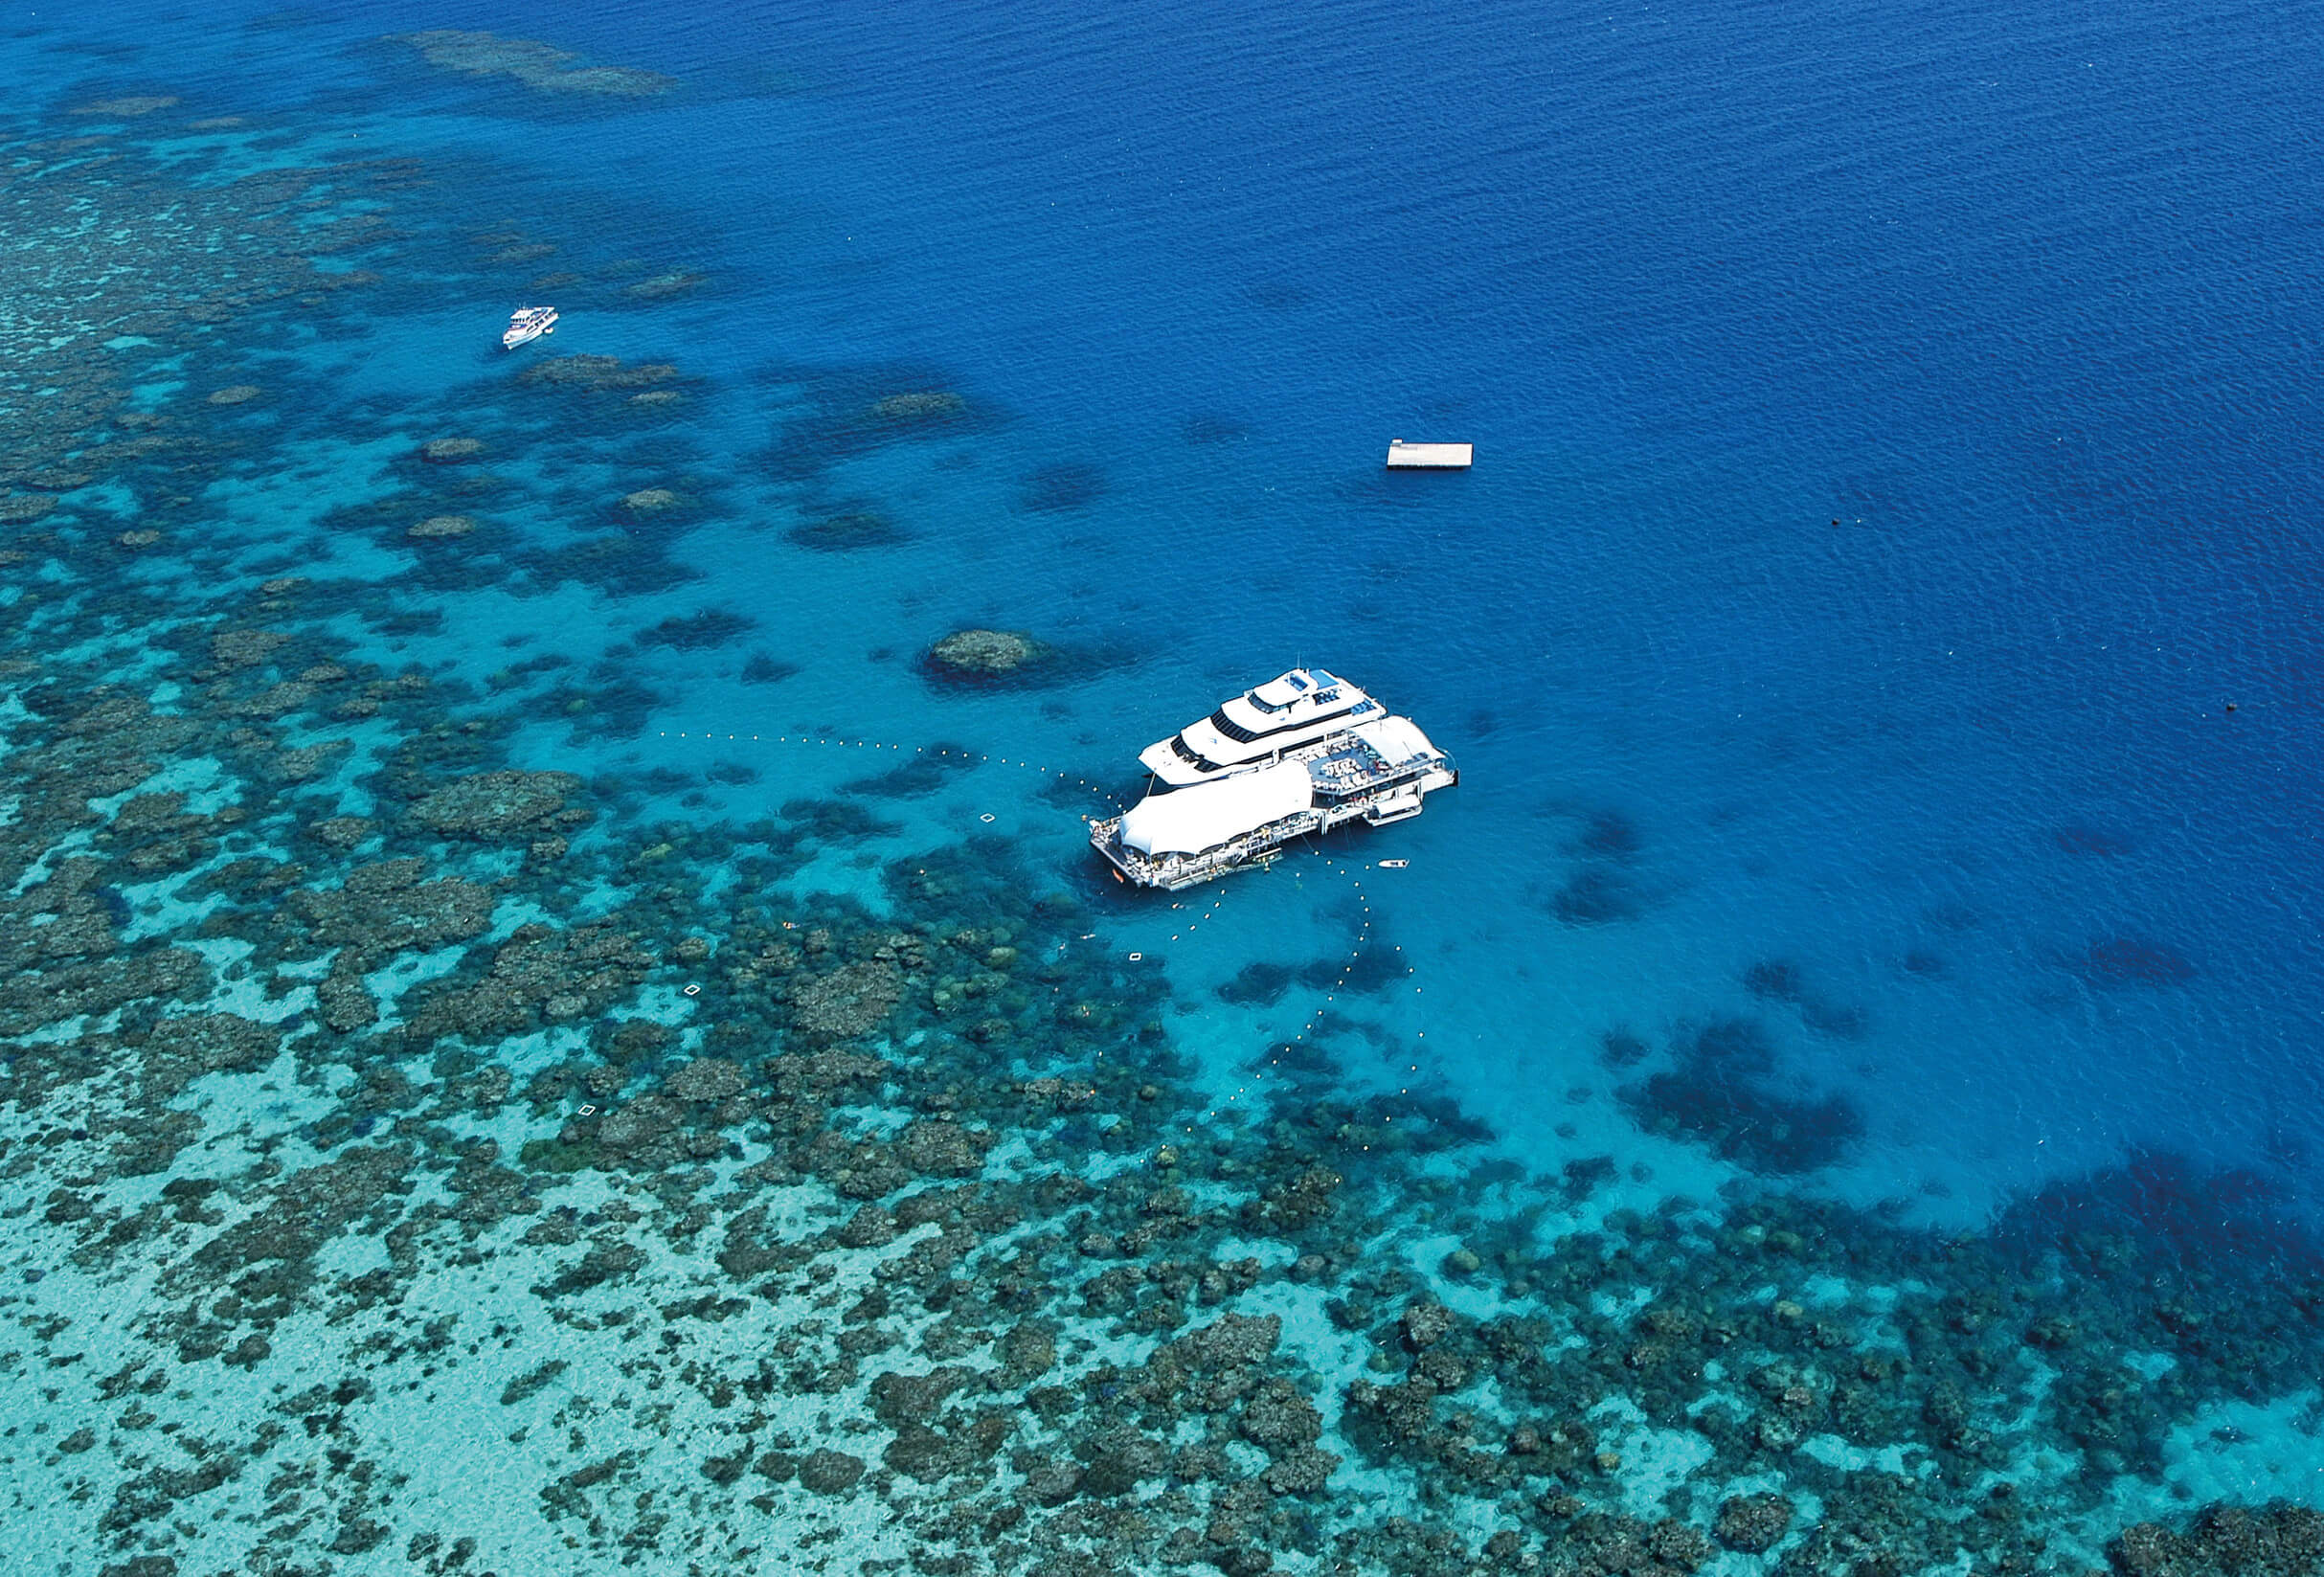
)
(1258, 725)
(1374, 772)
(527, 323)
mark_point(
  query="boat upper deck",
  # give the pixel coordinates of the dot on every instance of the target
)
(1265, 722)
(1365, 756)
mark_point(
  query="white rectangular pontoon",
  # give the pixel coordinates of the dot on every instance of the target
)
(1428, 457)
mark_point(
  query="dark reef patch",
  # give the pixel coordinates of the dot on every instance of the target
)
(836, 822)
(1258, 984)
(1719, 1095)
(612, 705)
(1780, 980)
(1608, 835)
(846, 531)
(1373, 967)
(834, 412)
(703, 631)
(2132, 962)
(1595, 894)
(1602, 886)
(1069, 485)
(2078, 839)
(2196, 1220)
(618, 563)
(1619, 1048)
(1776, 980)
(927, 770)
(1210, 430)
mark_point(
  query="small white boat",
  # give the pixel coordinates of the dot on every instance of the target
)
(527, 323)
(1394, 865)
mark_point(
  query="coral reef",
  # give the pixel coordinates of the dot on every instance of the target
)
(373, 1101)
(926, 406)
(986, 654)
(846, 530)
(440, 526)
(534, 64)
(1720, 1092)
(1065, 485)
(500, 805)
(2276, 1541)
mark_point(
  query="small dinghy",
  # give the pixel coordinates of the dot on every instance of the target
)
(527, 323)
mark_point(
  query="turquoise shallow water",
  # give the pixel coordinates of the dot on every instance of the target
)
(1891, 467)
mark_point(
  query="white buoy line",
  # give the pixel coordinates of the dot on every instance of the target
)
(1315, 1019)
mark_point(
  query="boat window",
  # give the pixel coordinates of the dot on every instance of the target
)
(1306, 727)
(1232, 729)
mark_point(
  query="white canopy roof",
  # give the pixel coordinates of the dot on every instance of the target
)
(1209, 814)
(1397, 739)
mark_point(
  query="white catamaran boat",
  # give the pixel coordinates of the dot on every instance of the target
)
(1258, 725)
(527, 323)
(1228, 818)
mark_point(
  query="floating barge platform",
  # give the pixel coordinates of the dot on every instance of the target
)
(1429, 457)
(1375, 773)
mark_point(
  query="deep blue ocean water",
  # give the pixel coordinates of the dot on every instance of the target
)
(1896, 451)
(2021, 300)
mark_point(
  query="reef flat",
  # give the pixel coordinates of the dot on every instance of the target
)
(420, 1157)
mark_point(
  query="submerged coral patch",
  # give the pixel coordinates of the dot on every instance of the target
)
(443, 526)
(535, 64)
(846, 531)
(594, 373)
(983, 657)
(500, 805)
(932, 405)
(129, 106)
(698, 632)
(1596, 895)
(765, 668)
(1068, 485)
(2132, 960)
(1258, 984)
(930, 769)
(452, 451)
(2077, 838)
(836, 413)
(1721, 1093)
